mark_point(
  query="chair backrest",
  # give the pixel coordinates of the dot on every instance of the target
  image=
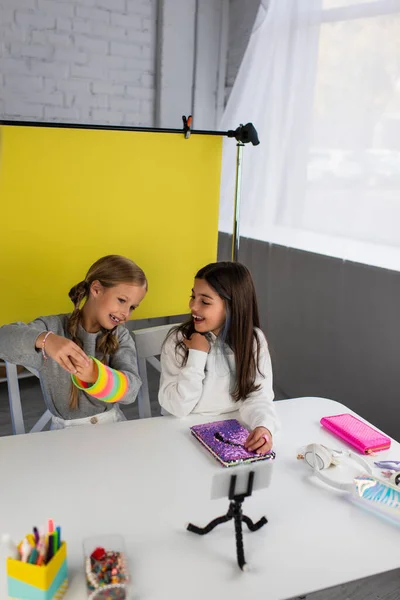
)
(148, 345)
(14, 398)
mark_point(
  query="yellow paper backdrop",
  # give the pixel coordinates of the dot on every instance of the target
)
(69, 196)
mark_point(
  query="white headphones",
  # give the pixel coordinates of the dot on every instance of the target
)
(395, 478)
(320, 457)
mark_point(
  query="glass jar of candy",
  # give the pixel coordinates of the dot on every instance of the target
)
(106, 568)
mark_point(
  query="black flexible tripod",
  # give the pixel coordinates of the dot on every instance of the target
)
(234, 512)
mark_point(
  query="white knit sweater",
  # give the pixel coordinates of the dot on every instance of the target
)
(205, 383)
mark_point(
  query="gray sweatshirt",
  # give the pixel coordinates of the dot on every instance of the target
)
(17, 345)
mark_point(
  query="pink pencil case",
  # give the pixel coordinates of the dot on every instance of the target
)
(355, 432)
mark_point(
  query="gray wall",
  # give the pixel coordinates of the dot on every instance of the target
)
(242, 14)
(333, 327)
(192, 49)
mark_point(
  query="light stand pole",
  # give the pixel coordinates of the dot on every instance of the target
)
(244, 134)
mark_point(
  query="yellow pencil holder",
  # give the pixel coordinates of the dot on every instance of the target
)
(33, 582)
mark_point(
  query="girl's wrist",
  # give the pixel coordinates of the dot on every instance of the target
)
(44, 344)
(199, 350)
(91, 374)
(94, 371)
(39, 340)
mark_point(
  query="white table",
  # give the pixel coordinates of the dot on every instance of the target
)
(147, 478)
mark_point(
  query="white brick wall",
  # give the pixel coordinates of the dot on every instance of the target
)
(84, 61)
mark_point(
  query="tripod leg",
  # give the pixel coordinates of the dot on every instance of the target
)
(237, 515)
(210, 526)
(254, 526)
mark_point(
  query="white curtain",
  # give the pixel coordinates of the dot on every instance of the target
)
(320, 80)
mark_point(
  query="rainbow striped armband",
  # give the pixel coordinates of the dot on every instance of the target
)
(110, 386)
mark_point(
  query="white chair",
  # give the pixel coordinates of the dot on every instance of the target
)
(14, 398)
(148, 345)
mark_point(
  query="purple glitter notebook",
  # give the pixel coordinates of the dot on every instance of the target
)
(225, 440)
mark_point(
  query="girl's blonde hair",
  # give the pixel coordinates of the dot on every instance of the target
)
(110, 271)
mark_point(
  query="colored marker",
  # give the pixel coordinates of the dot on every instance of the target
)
(50, 548)
(25, 550)
(31, 540)
(33, 557)
(58, 530)
(50, 526)
(36, 534)
(42, 550)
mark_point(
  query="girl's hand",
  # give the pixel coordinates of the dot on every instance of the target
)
(87, 374)
(65, 352)
(197, 341)
(256, 442)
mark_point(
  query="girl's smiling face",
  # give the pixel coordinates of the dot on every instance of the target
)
(108, 307)
(207, 308)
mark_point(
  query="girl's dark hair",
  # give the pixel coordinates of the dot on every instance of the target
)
(110, 271)
(233, 283)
